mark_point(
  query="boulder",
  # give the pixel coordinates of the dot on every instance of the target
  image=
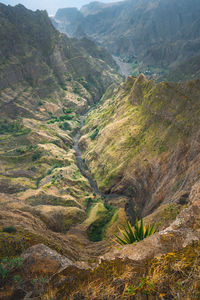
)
(41, 260)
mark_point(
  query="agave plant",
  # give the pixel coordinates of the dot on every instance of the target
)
(138, 233)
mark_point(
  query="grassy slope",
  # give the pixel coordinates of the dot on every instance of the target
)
(145, 133)
(47, 80)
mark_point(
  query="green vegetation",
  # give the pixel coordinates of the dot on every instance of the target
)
(7, 267)
(77, 90)
(130, 236)
(145, 287)
(96, 230)
(68, 116)
(36, 155)
(25, 149)
(89, 202)
(94, 134)
(14, 127)
(56, 178)
(9, 229)
(65, 126)
(60, 119)
(55, 166)
(68, 110)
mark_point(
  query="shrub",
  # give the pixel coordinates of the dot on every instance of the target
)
(76, 90)
(65, 126)
(10, 229)
(7, 267)
(68, 110)
(94, 134)
(36, 156)
(138, 233)
(55, 166)
(10, 127)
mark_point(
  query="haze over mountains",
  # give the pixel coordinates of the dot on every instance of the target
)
(83, 150)
(155, 36)
(50, 5)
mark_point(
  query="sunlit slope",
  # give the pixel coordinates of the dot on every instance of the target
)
(142, 141)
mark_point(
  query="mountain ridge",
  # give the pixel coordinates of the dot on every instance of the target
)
(148, 34)
(81, 153)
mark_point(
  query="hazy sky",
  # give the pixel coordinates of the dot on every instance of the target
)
(51, 5)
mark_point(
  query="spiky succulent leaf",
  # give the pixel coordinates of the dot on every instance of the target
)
(146, 232)
(135, 234)
(126, 236)
(141, 230)
(120, 241)
(153, 229)
(129, 232)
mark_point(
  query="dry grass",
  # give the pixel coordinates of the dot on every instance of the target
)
(173, 276)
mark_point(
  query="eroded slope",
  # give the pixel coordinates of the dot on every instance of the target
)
(143, 141)
(47, 81)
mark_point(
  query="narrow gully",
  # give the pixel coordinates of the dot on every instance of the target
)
(86, 173)
(80, 163)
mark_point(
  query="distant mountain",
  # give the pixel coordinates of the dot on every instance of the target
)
(30, 54)
(158, 33)
(188, 69)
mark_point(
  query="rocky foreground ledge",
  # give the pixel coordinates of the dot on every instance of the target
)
(162, 266)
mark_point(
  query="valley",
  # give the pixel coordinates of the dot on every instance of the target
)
(124, 68)
(154, 37)
(96, 144)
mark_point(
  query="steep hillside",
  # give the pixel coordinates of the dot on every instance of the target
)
(142, 142)
(46, 82)
(81, 152)
(189, 69)
(152, 35)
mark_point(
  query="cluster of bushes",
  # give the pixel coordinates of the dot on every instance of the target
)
(68, 110)
(36, 155)
(65, 126)
(66, 117)
(9, 229)
(55, 166)
(7, 269)
(89, 201)
(25, 149)
(12, 127)
(60, 119)
(94, 134)
(77, 90)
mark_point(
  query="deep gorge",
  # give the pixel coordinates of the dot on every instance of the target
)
(83, 149)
